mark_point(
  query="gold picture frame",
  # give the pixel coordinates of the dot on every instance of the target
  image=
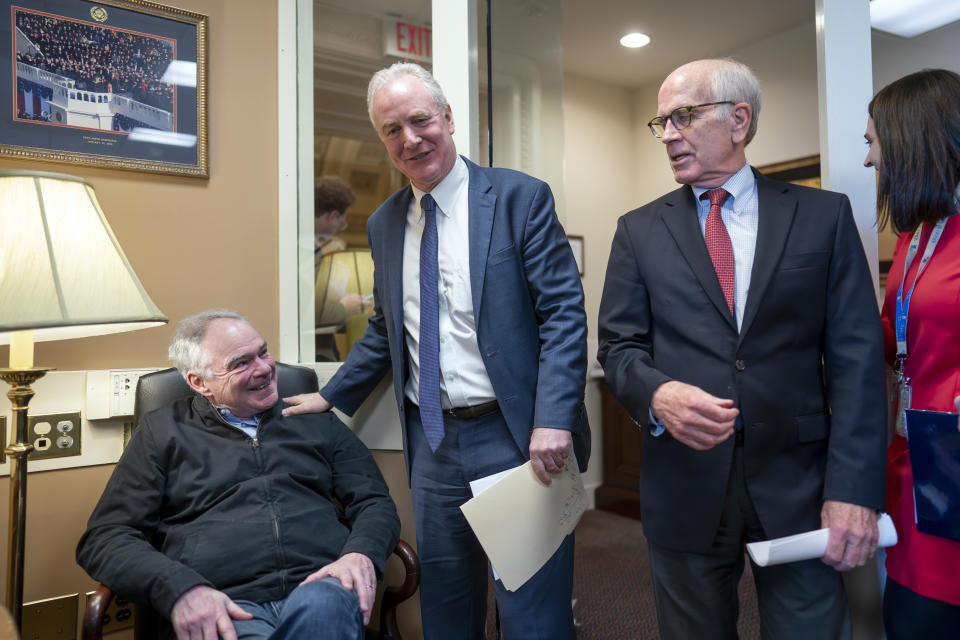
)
(803, 171)
(120, 84)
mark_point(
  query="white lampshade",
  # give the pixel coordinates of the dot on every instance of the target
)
(62, 271)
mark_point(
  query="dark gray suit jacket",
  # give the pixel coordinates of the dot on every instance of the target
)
(806, 369)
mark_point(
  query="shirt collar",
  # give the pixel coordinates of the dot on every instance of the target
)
(739, 185)
(227, 415)
(445, 193)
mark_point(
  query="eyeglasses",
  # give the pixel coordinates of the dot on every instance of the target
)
(681, 117)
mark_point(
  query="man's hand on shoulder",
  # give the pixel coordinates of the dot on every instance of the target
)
(203, 613)
(853, 534)
(356, 573)
(305, 403)
(692, 416)
(549, 449)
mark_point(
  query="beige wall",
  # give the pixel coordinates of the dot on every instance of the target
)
(598, 187)
(194, 243)
(199, 243)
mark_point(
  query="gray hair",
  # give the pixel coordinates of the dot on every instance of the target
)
(734, 81)
(186, 352)
(398, 69)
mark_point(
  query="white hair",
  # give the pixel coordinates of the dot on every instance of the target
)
(186, 351)
(734, 81)
(398, 69)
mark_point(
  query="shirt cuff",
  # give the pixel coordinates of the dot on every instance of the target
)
(656, 427)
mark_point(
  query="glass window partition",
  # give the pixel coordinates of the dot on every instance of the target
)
(352, 173)
(522, 89)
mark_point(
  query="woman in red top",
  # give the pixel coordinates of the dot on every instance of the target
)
(913, 135)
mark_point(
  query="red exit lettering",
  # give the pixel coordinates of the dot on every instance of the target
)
(413, 39)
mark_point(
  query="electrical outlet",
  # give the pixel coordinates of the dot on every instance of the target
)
(111, 394)
(50, 618)
(55, 435)
(118, 616)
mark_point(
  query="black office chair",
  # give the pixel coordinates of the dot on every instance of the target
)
(163, 387)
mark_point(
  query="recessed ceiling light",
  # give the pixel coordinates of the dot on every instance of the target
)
(635, 40)
(909, 18)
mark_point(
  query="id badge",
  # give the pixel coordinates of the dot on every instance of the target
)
(904, 395)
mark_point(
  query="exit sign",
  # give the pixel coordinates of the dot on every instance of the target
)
(407, 40)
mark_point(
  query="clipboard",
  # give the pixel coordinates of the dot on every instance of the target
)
(934, 444)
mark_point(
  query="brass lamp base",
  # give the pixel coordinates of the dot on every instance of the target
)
(20, 394)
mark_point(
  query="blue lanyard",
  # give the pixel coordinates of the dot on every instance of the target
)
(903, 306)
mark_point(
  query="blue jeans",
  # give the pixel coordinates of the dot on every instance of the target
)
(322, 609)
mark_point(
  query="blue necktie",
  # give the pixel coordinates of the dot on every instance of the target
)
(431, 414)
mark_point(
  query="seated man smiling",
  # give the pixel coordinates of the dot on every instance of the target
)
(245, 504)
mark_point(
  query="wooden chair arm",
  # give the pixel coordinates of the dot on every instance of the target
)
(394, 595)
(93, 615)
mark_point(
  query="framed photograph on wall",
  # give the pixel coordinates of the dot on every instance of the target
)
(115, 83)
(803, 171)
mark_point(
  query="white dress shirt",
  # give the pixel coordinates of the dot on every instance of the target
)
(463, 377)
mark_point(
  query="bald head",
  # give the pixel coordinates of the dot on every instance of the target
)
(721, 79)
(716, 98)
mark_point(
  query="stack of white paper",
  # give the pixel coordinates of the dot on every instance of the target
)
(806, 546)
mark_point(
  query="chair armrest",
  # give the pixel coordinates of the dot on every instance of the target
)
(93, 615)
(393, 596)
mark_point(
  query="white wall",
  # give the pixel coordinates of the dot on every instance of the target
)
(786, 66)
(894, 57)
(598, 172)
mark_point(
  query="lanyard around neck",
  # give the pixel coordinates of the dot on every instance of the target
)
(903, 305)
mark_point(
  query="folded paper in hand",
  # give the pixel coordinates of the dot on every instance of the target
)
(521, 522)
(809, 545)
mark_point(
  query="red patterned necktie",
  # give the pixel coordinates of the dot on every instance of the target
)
(719, 245)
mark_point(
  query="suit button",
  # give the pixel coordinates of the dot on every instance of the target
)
(740, 365)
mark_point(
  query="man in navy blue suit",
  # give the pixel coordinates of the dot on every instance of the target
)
(495, 377)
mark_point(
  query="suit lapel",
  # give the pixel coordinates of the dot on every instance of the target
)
(681, 217)
(395, 232)
(481, 201)
(777, 209)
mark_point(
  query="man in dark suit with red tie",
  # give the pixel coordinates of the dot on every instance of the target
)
(739, 329)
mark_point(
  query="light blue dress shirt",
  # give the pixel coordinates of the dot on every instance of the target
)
(741, 216)
(247, 425)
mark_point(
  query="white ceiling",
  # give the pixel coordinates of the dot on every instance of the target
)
(679, 31)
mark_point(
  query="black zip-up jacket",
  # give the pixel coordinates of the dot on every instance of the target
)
(196, 501)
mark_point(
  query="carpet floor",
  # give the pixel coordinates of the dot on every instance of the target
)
(611, 584)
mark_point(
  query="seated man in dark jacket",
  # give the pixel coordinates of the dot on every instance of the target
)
(243, 503)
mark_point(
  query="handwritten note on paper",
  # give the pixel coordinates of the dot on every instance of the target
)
(520, 522)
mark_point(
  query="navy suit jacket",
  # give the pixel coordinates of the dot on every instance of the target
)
(527, 301)
(806, 369)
